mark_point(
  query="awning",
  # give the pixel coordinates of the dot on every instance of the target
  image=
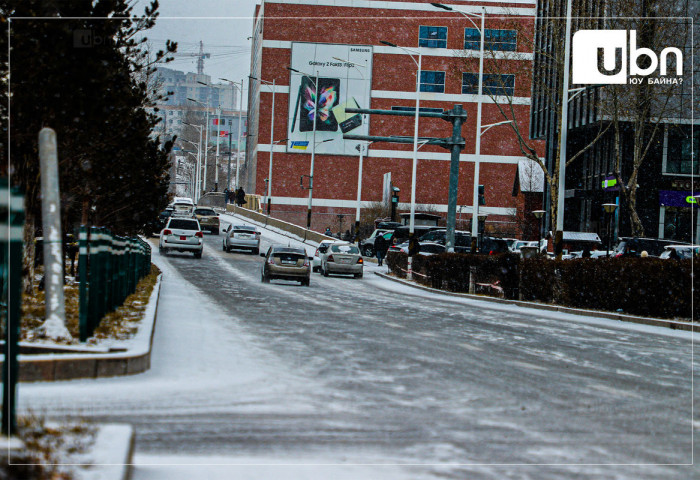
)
(581, 237)
(529, 177)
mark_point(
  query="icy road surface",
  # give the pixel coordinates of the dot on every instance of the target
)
(348, 374)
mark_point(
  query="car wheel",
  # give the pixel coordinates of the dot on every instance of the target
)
(324, 271)
(223, 246)
(367, 251)
(306, 282)
(316, 269)
(198, 255)
(215, 231)
(162, 251)
(265, 278)
(256, 251)
(358, 275)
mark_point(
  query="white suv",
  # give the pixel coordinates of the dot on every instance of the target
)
(182, 235)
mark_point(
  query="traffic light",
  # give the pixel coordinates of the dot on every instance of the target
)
(482, 197)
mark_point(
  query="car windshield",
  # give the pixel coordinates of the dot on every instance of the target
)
(183, 224)
(205, 211)
(350, 249)
(244, 228)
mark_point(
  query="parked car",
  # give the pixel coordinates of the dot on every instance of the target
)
(286, 263)
(242, 237)
(424, 248)
(634, 246)
(208, 219)
(463, 240)
(182, 235)
(342, 257)
(321, 249)
(401, 233)
(493, 245)
(367, 245)
(683, 251)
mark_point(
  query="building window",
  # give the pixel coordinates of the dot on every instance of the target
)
(494, 84)
(494, 39)
(682, 151)
(432, 81)
(432, 37)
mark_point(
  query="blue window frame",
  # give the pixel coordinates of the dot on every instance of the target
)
(494, 84)
(432, 37)
(494, 39)
(432, 81)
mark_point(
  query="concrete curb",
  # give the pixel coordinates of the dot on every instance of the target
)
(47, 367)
(656, 322)
(112, 454)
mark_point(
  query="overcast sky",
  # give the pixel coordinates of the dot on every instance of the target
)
(223, 25)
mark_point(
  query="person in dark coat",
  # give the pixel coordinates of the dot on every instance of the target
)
(381, 245)
(674, 254)
(240, 197)
(586, 253)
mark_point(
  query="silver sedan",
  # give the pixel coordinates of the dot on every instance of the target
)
(342, 258)
(243, 237)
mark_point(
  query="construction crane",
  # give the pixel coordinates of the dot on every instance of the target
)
(200, 57)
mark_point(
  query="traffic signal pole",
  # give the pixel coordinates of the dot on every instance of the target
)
(455, 144)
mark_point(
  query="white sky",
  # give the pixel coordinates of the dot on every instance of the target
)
(223, 25)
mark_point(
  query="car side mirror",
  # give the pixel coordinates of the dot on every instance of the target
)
(262, 254)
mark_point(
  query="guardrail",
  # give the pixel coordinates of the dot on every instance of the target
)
(11, 224)
(109, 267)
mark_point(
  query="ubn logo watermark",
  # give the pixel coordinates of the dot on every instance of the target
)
(87, 38)
(602, 57)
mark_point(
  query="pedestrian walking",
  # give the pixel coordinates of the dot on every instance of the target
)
(240, 197)
(381, 245)
(227, 195)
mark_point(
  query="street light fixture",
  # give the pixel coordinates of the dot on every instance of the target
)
(313, 143)
(610, 210)
(411, 53)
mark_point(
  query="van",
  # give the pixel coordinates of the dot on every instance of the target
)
(182, 206)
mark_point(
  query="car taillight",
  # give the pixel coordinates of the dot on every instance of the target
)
(271, 260)
(306, 262)
(167, 232)
(316, 253)
(359, 260)
(330, 258)
(199, 234)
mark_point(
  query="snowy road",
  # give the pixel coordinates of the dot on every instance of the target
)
(365, 371)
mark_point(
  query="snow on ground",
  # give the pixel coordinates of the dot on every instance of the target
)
(155, 467)
(187, 359)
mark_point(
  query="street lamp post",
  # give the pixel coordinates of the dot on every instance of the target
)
(272, 142)
(610, 210)
(539, 215)
(313, 147)
(362, 149)
(477, 152)
(199, 161)
(206, 136)
(481, 227)
(411, 228)
(238, 143)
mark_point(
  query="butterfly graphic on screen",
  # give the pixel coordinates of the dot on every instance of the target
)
(328, 97)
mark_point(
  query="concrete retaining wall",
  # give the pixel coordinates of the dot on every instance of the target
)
(51, 367)
(301, 232)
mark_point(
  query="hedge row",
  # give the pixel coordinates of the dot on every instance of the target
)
(640, 286)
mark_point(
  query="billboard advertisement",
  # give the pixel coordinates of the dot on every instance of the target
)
(344, 75)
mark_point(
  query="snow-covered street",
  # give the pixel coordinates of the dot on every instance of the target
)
(366, 378)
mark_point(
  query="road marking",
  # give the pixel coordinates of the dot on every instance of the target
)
(471, 347)
(526, 365)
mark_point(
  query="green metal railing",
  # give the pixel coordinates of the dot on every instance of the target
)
(11, 226)
(109, 267)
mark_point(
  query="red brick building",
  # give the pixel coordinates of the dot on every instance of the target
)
(342, 45)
